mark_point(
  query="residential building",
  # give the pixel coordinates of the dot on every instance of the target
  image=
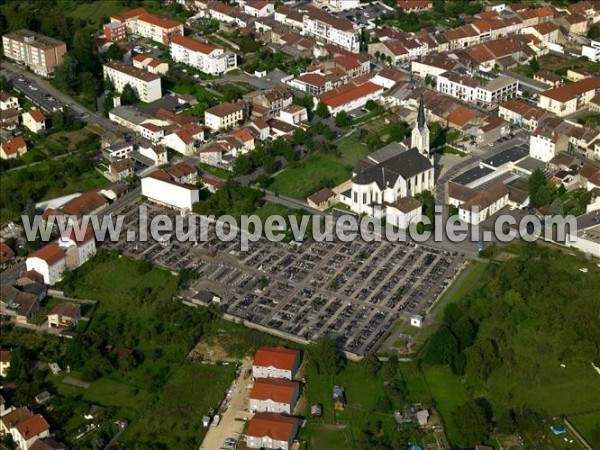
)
(29, 430)
(121, 169)
(13, 148)
(570, 98)
(592, 51)
(314, 83)
(274, 395)
(147, 86)
(64, 315)
(272, 100)
(7, 254)
(294, 115)
(49, 261)
(38, 52)
(4, 361)
(433, 65)
(545, 143)
(393, 49)
(171, 187)
(35, 121)
(259, 8)
(129, 18)
(150, 64)
(9, 420)
(79, 246)
(158, 28)
(334, 30)
(521, 114)
(322, 199)
(350, 96)
(18, 304)
(477, 91)
(156, 153)
(275, 362)
(204, 57)
(87, 204)
(8, 101)
(483, 204)
(185, 139)
(549, 78)
(225, 115)
(341, 5)
(404, 212)
(413, 6)
(271, 431)
(114, 31)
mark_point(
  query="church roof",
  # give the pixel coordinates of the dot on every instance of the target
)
(421, 115)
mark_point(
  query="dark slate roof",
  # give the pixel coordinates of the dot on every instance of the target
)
(406, 164)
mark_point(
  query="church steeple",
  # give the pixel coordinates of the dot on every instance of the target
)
(420, 133)
(421, 116)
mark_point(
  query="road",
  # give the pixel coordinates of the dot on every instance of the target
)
(237, 408)
(14, 72)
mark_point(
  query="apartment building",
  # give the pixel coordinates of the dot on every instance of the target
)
(477, 91)
(546, 143)
(205, 57)
(39, 53)
(141, 22)
(114, 31)
(521, 114)
(147, 86)
(225, 115)
(325, 27)
(570, 98)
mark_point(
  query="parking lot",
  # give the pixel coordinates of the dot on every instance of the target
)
(36, 95)
(352, 292)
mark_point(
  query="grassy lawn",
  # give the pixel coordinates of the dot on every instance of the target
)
(216, 171)
(307, 177)
(330, 436)
(585, 425)
(95, 12)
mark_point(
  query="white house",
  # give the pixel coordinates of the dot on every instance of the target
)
(294, 115)
(275, 362)
(8, 101)
(35, 121)
(271, 431)
(274, 395)
(161, 186)
(416, 321)
(49, 261)
(545, 143)
(147, 86)
(484, 204)
(64, 315)
(225, 115)
(350, 96)
(259, 8)
(29, 430)
(592, 51)
(78, 247)
(325, 27)
(569, 98)
(403, 212)
(204, 57)
(157, 153)
(185, 139)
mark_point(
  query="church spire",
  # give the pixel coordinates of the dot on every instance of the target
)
(421, 116)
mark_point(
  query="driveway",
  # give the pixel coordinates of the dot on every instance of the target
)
(237, 408)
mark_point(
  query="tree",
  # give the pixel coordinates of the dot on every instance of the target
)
(322, 110)
(17, 371)
(474, 427)
(65, 75)
(464, 330)
(557, 207)
(540, 190)
(342, 119)
(534, 65)
(371, 364)
(443, 347)
(114, 52)
(128, 95)
(324, 357)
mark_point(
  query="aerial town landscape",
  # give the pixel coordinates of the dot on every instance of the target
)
(248, 125)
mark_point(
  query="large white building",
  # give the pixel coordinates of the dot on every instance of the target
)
(141, 22)
(147, 86)
(350, 96)
(205, 57)
(172, 187)
(569, 98)
(545, 144)
(225, 115)
(471, 90)
(49, 261)
(592, 51)
(271, 431)
(325, 27)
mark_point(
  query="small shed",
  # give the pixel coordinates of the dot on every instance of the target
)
(416, 321)
(316, 410)
(339, 397)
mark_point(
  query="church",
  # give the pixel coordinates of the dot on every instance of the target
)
(383, 181)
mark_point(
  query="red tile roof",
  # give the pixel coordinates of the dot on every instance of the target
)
(84, 204)
(6, 252)
(5, 356)
(276, 426)
(129, 14)
(51, 253)
(194, 44)
(37, 115)
(12, 146)
(71, 310)
(280, 391)
(340, 97)
(461, 115)
(278, 357)
(159, 21)
(334, 22)
(32, 426)
(12, 418)
(570, 91)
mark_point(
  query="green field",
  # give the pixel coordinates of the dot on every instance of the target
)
(588, 425)
(307, 177)
(95, 12)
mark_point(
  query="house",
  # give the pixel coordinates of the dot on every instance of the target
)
(212, 184)
(87, 204)
(433, 65)
(39, 53)
(416, 321)
(521, 114)
(294, 115)
(156, 153)
(202, 56)
(392, 49)
(13, 148)
(271, 431)
(150, 64)
(79, 246)
(114, 31)
(8, 101)
(4, 361)
(275, 362)
(413, 6)
(261, 127)
(259, 8)
(184, 140)
(484, 204)
(350, 96)
(422, 417)
(7, 254)
(328, 28)
(18, 304)
(9, 420)
(545, 143)
(121, 169)
(30, 429)
(64, 315)
(567, 99)
(164, 186)
(313, 83)
(147, 86)
(272, 100)
(151, 131)
(549, 78)
(274, 395)
(35, 121)
(339, 397)
(225, 115)
(48, 261)
(322, 199)
(404, 212)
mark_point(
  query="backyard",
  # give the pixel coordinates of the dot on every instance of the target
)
(322, 170)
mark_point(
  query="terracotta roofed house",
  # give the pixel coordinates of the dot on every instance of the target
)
(4, 361)
(27, 431)
(271, 431)
(13, 148)
(35, 121)
(64, 315)
(48, 261)
(86, 204)
(6, 253)
(274, 395)
(275, 362)
(12, 418)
